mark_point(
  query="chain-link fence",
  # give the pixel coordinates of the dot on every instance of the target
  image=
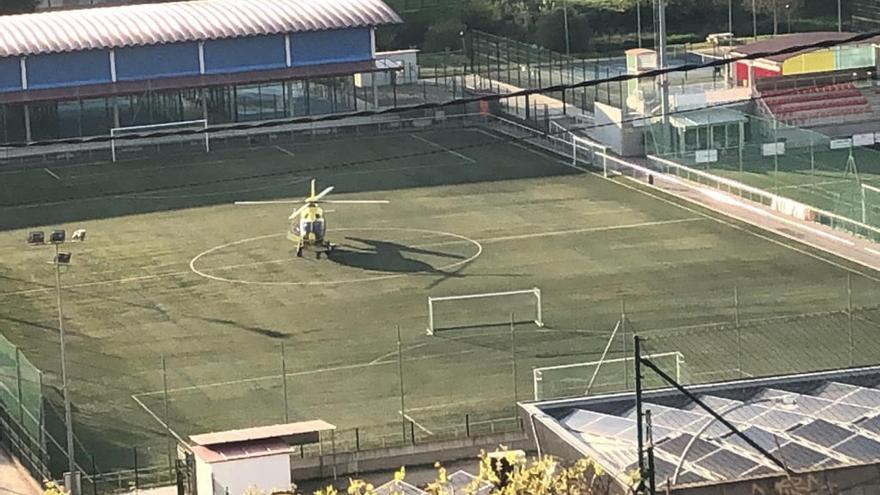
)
(21, 408)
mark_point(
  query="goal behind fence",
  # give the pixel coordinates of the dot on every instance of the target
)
(475, 310)
(122, 138)
(610, 375)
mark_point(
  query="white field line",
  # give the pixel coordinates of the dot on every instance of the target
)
(441, 243)
(284, 150)
(444, 148)
(303, 373)
(549, 155)
(383, 357)
(53, 174)
(815, 184)
(416, 423)
(496, 239)
(872, 251)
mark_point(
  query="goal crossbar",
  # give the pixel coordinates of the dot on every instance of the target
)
(117, 132)
(539, 310)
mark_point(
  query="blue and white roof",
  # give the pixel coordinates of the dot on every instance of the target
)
(147, 24)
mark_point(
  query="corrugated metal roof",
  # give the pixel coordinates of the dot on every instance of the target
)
(133, 25)
(784, 41)
(261, 433)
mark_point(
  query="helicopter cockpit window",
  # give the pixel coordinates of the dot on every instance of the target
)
(312, 227)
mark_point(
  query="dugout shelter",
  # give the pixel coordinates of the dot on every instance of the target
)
(231, 462)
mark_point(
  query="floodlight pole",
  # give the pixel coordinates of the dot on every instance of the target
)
(68, 417)
(565, 21)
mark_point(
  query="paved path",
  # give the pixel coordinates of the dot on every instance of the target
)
(14, 479)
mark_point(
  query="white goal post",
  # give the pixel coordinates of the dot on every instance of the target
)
(868, 190)
(579, 379)
(539, 309)
(201, 125)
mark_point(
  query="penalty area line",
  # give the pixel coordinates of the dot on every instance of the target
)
(444, 148)
(285, 151)
(330, 369)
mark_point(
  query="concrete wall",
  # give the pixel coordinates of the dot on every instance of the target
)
(393, 458)
(623, 139)
(268, 474)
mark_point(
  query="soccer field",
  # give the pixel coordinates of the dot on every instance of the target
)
(172, 270)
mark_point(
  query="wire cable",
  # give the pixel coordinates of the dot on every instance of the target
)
(453, 102)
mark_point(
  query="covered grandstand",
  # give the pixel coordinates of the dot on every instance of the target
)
(82, 72)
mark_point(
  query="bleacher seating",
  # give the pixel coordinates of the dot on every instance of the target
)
(807, 105)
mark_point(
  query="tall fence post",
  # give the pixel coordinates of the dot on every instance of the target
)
(625, 350)
(513, 360)
(284, 384)
(739, 354)
(849, 312)
(167, 423)
(137, 481)
(467, 425)
(20, 395)
(400, 377)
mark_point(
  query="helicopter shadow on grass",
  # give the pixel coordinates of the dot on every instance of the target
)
(387, 256)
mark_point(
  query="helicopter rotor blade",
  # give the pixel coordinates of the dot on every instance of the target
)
(358, 201)
(280, 202)
(321, 194)
(298, 212)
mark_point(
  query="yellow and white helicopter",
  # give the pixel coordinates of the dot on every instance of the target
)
(308, 223)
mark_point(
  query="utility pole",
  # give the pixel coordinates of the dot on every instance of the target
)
(839, 18)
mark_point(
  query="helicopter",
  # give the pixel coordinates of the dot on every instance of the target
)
(308, 223)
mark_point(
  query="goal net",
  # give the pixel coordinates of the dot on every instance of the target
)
(610, 375)
(190, 134)
(485, 310)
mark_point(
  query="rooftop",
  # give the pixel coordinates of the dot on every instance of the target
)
(810, 422)
(197, 20)
(784, 41)
(262, 433)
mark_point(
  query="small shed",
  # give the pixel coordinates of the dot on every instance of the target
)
(230, 462)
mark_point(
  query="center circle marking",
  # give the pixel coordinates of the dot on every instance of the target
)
(197, 271)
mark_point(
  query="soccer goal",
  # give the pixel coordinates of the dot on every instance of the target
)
(473, 310)
(610, 375)
(193, 132)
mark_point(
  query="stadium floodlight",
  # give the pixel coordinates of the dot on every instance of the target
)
(57, 238)
(36, 237)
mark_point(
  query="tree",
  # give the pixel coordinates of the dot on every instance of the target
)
(774, 8)
(17, 6)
